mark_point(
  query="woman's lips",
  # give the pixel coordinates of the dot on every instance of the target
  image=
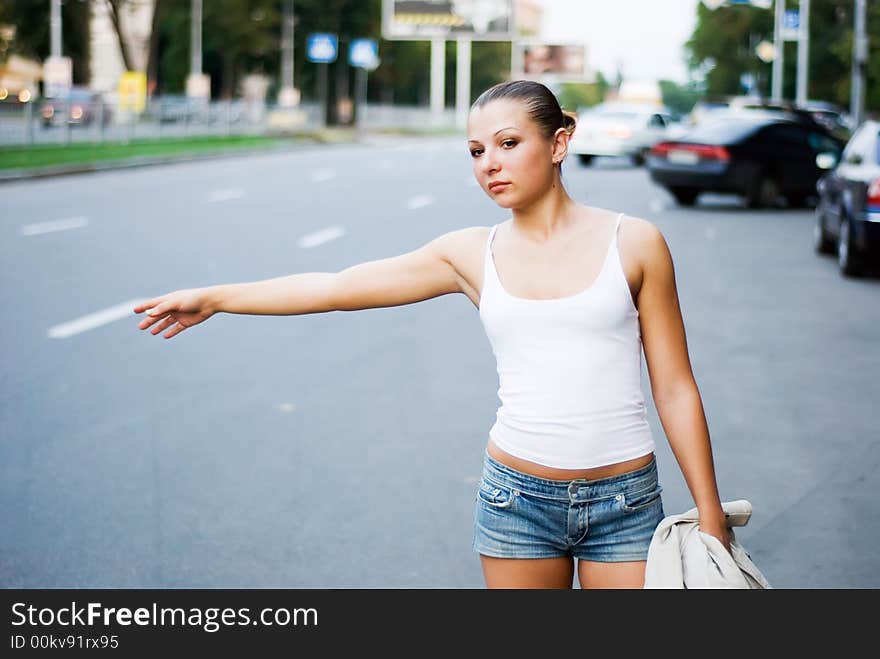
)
(498, 185)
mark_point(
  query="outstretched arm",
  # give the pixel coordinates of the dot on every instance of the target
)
(412, 277)
(673, 386)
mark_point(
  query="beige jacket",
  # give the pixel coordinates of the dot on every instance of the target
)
(682, 556)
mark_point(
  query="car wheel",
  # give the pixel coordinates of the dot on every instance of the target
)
(685, 196)
(638, 159)
(822, 242)
(585, 159)
(847, 259)
(764, 192)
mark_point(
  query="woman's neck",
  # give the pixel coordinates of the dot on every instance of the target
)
(544, 218)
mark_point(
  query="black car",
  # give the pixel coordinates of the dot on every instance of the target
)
(761, 155)
(848, 211)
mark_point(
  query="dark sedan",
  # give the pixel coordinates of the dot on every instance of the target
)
(848, 212)
(760, 155)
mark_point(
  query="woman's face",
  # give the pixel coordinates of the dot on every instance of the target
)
(506, 147)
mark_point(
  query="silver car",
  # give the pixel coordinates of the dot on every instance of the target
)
(620, 129)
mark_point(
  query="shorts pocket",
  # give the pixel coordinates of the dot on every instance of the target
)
(633, 502)
(496, 496)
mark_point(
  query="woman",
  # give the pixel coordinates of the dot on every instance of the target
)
(569, 470)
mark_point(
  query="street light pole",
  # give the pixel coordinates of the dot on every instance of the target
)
(803, 53)
(780, 50)
(195, 44)
(287, 46)
(859, 62)
(55, 27)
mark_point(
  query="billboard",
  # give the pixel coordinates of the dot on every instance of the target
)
(551, 62)
(416, 20)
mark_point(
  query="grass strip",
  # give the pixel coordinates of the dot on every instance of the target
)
(47, 155)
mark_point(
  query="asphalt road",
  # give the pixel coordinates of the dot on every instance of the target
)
(343, 450)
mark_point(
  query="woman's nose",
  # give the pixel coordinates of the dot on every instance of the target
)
(490, 162)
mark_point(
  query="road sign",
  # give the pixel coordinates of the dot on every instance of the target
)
(321, 47)
(791, 25)
(364, 53)
(132, 91)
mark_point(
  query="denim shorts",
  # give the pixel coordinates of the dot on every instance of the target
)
(611, 519)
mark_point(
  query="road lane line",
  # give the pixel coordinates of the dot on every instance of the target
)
(226, 194)
(323, 175)
(93, 320)
(54, 225)
(320, 237)
(420, 201)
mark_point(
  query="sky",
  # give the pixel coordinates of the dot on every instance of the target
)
(646, 37)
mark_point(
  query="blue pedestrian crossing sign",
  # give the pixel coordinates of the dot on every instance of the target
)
(321, 47)
(364, 53)
(791, 25)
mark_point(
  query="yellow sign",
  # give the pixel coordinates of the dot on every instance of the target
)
(133, 91)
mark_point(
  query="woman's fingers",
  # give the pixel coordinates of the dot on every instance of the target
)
(147, 305)
(165, 323)
(150, 320)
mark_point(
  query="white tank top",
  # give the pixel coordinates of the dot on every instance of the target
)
(569, 370)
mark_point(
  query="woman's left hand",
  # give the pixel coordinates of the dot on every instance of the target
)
(717, 528)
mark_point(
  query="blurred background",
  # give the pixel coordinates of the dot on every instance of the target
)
(152, 145)
(147, 68)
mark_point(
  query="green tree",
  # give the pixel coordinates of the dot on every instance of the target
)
(575, 95)
(727, 37)
(32, 39)
(237, 38)
(679, 98)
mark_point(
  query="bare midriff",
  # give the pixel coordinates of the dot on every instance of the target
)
(551, 473)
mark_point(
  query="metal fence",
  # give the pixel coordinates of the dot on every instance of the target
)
(57, 121)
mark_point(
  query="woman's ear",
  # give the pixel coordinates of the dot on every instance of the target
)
(560, 145)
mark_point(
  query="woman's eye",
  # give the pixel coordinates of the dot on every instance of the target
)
(512, 143)
(475, 152)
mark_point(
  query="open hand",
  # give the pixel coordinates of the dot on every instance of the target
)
(178, 310)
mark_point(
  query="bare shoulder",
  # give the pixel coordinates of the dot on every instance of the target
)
(643, 240)
(463, 250)
(462, 239)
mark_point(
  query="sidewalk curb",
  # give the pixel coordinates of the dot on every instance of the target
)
(15, 175)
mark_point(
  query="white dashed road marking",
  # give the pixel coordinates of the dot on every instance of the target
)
(323, 175)
(420, 201)
(226, 195)
(93, 320)
(710, 233)
(320, 237)
(56, 225)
